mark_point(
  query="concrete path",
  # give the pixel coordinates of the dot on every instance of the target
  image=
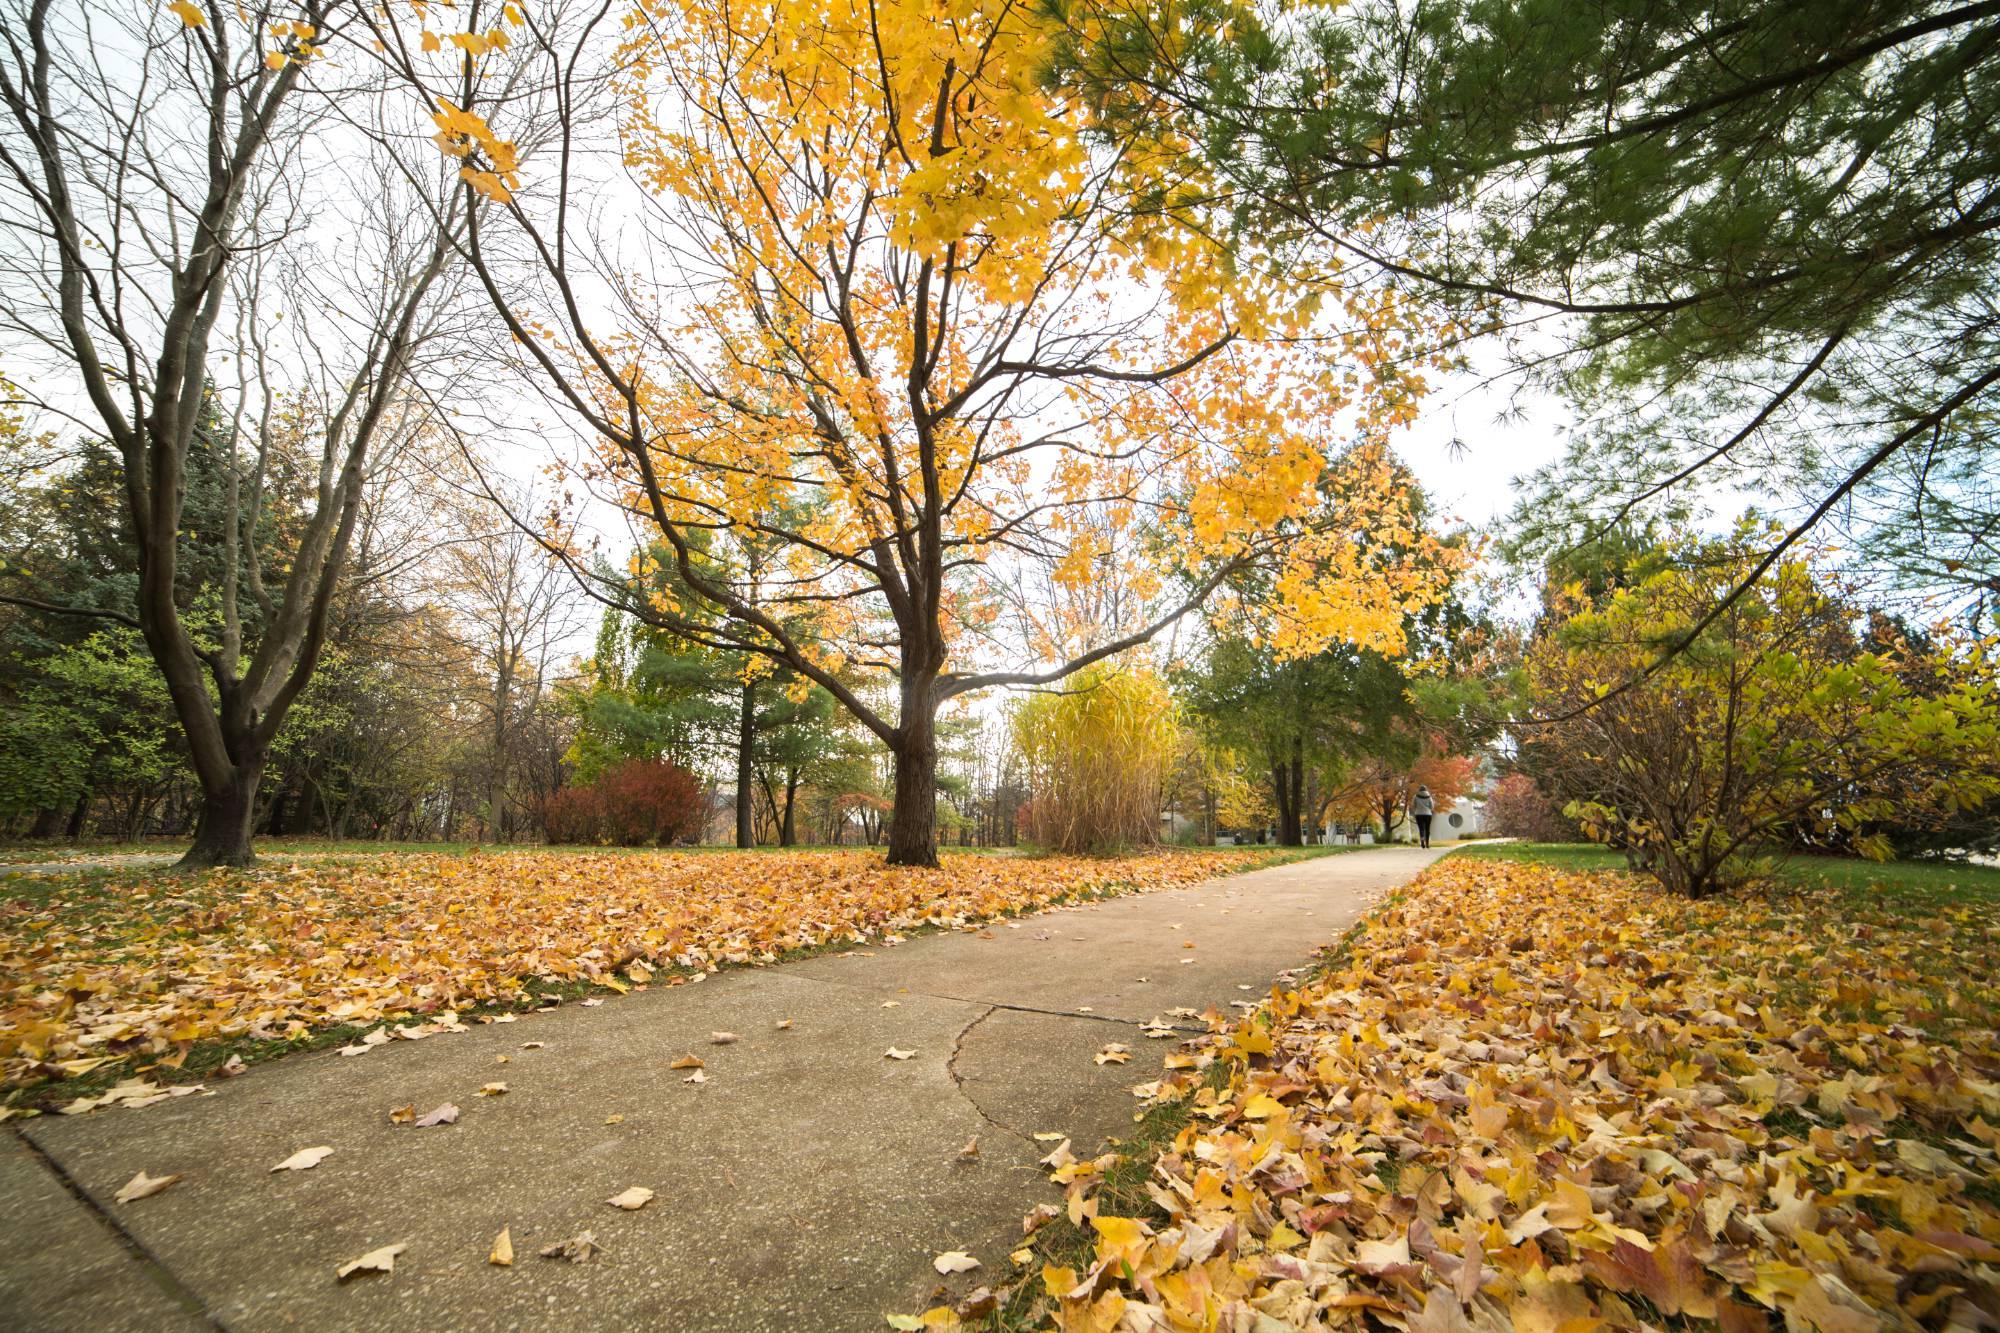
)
(807, 1184)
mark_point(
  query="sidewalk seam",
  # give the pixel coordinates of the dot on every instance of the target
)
(158, 1273)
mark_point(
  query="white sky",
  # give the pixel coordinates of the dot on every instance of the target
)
(1472, 441)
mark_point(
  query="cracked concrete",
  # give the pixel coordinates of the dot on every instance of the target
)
(806, 1184)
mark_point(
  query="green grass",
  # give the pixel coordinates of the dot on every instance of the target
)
(1914, 885)
(1577, 856)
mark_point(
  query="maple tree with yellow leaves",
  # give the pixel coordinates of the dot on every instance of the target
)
(891, 307)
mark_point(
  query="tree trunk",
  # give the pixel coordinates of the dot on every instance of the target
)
(47, 820)
(746, 767)
(76, 817)
(787, 833)
(274, 823)
(222, 833)
(1287, 783)
(913, 820)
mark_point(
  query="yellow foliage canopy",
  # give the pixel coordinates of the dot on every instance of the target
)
(902, 314)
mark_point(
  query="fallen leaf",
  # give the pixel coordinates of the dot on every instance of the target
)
(577, 1249)
(402, 1115)
(375, 1261)
(631, 1200)
(1114, 1053)
(696, 1077)
(305, 1159)
(894, 1054)
(1376, 1256)
(784, 1024)
(970, 1152)
(480, 926)
(614, 1119)
(492, 1090)
(231, 1067)
(502, 1253)
(143, 1185)
(533, 1045)
(954, 1261)
(443, 1115)
(723, 1038)
(686, 1062)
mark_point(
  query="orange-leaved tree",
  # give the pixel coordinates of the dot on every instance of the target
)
(887, 304)
(1381, 786)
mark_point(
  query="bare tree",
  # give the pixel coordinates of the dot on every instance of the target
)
(518, 610)
(205, 248)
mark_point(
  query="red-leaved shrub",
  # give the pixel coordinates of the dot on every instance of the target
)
(633, 803)
(1516, 808)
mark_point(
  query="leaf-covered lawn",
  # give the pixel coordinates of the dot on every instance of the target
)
(1552, 1100)
(131, 970)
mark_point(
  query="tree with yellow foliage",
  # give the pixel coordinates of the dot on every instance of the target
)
(893, 308)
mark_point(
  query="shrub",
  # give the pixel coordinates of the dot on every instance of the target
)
(1772, 726)
(1517, 808)
(633, 803)
(1098, 754)
(570, 815)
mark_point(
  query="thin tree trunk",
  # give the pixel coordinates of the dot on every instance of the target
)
(1287, 777)
(787, 833)
(76, 816)
(746, 767)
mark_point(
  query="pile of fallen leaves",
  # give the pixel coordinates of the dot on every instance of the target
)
(139, 969)
(1553, 1101)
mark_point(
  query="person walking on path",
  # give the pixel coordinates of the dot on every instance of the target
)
(1421, 810)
